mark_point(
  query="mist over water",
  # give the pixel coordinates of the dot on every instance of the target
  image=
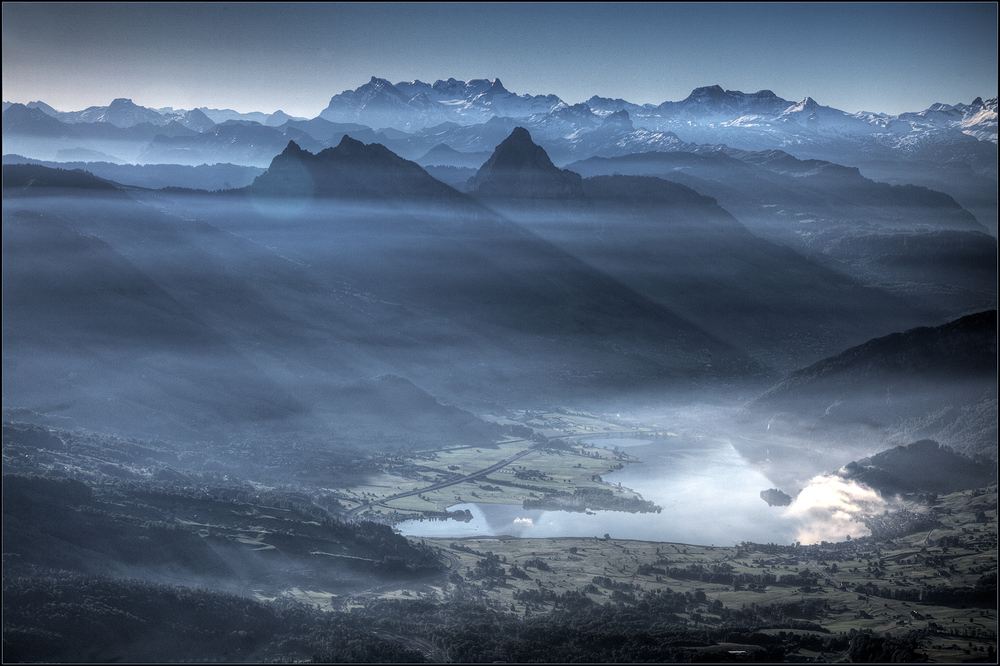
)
(709, 495)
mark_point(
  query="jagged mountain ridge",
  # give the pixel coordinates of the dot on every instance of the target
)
(349, 170)
(950, 148)
(419, 105)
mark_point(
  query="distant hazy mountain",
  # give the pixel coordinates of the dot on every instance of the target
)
(120, 113)
(33, 133)
(916, 242)
(196, 120)
(444, 155)
(156, 176)
(219, 116)
(238, 142)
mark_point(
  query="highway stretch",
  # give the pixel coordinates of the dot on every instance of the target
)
(443, 484)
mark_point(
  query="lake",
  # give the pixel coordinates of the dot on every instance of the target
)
(710, 496)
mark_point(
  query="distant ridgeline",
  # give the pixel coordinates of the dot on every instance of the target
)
(158, 176)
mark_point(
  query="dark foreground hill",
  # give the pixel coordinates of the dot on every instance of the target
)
(928, 382)
(921, 467)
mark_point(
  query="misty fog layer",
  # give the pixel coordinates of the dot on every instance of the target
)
(349, 296)
(709, 494)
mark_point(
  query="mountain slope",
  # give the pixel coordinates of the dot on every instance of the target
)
(247, 313)
(928, 382)
(683, 250)
(919, 244)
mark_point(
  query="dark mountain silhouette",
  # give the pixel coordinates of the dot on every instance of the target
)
(962, 349)
(350, 170)
(928, 382)
(456, 177)
(921, 467)
(519, 168)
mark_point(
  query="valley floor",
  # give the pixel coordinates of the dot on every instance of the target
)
(113, 549)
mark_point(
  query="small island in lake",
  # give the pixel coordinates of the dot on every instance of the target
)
(775, 497)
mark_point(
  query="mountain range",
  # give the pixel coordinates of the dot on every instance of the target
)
(947, 147)
(653, 263)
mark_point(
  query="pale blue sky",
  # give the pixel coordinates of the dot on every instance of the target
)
(890, 57)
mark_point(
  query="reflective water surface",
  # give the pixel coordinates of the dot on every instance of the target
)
(710, 495)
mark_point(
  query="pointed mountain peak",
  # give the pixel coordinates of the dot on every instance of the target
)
(349, 145)
(497, 87)
(807, 104)
(977, 102)
(521, 169)
(292, 149)
(521, 138)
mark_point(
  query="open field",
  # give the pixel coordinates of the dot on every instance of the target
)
(926, 579)
(911, 586)
(427, 483)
